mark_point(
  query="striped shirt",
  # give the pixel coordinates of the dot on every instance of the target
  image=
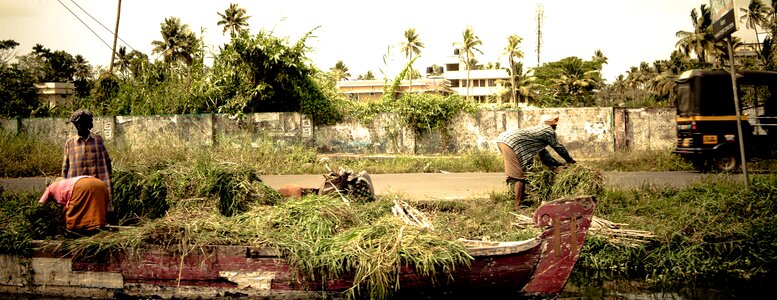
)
(87, 157)
(527, 142)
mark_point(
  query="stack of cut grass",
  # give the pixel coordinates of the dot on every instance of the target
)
(321, 236)
(571, 181)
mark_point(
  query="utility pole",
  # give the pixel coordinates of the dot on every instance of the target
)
(540, 14)
(739, 115)
(115, 36)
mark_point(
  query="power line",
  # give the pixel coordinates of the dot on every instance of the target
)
(101, 24)
(87, 26)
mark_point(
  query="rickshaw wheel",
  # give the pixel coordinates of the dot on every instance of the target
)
(726, 162)
(700, 164)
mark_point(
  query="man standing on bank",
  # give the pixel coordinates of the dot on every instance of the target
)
(518, 147)
(86, 155)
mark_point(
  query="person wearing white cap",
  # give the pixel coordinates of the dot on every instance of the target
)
(519, 146)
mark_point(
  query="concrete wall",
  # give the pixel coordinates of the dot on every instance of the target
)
(585, 132)
(386, 133)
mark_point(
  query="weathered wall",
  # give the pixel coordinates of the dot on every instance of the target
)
(585, 132)
(136, 131)
(57, 130)
(385, 134)
(650, 128)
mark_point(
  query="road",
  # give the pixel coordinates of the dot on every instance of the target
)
(427, 186)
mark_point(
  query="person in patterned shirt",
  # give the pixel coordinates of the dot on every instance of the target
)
(519, 146)
(86, 155)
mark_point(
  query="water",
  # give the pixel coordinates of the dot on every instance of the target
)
(580, 286)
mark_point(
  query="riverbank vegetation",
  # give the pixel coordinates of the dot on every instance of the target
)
(28, 157)
(710, 230)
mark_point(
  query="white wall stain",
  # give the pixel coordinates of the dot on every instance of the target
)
(597, 128)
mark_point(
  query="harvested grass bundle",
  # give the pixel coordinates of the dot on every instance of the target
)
(577, 180)
(574, 180)
(616, 234)
(320, 235)
(138, 195)
(234, 187)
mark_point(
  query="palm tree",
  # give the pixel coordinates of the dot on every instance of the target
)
(599, 58)
(178, 42)
(340, 71)
(366, 76)
(233, 19)
(83, 68)
(411, 45)
(122, 60)
(575, 79)
(467, 47)
(701, 41)
(756, 14)
(513, 51)
(524, 84)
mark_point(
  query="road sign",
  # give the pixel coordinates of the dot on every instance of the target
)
(723, 18)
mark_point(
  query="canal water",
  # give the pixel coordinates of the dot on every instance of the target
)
(582, 286)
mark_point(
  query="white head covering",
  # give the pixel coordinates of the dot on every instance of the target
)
(548, 119)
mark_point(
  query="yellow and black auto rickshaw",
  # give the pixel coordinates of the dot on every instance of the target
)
(706, 117)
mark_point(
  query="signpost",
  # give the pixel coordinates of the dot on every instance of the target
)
(723, 25)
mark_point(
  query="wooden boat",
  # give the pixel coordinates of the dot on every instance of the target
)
(536, 267)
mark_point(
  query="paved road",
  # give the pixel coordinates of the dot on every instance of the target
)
(419, 186)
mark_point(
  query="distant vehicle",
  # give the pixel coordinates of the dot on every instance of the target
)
(706, 119)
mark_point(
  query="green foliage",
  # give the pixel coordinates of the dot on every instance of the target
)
(22, 220)
(105, 89)
(263, 73)
(575, 180)
(424, 112)
(568, 82)
(392, 91)
(20, 98)
(711, 229)
(24, 156)
(138, 196)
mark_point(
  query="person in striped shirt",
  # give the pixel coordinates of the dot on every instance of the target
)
(519, 146)
(86, 155)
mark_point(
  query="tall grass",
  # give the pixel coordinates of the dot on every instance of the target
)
(710, 229)
(645, 160)
(25, 156)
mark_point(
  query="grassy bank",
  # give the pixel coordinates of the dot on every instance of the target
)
(710, 230)
(27, 157)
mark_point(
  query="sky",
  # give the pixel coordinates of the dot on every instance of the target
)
(367, 35)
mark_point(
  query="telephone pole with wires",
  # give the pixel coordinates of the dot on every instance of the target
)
(115, 36)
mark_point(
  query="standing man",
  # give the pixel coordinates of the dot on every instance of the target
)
(86, 155)
(518, 147)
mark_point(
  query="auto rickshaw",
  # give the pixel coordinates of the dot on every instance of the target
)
(707, 122)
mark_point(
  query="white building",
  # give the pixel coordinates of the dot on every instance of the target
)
(484, 83)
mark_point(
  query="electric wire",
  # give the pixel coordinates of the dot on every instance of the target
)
(101, 24)
(87, 26)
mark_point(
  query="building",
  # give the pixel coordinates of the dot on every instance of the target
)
(484, 83)
(453, 79)
(53, 93)
(371, 90)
